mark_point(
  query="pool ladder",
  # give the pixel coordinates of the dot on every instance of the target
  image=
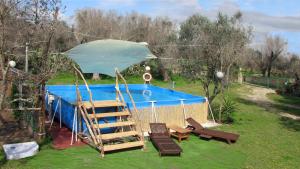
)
(125, 135)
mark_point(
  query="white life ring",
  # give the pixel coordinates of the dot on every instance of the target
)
(147, 77)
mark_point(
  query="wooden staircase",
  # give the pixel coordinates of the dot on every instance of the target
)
(126, 134)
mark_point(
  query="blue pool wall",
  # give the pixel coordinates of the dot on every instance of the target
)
(67, 95)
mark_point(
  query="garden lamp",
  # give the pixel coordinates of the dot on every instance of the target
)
(12, 63)
(220, 74)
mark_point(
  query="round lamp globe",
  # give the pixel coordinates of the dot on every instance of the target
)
(147, 68)
(220, 75)
(12, 63)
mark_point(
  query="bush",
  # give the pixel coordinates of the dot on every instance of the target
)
(228, 108)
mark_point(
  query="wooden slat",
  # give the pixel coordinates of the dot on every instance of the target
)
(118, 135)
(106, 103)
(117, 124)
(123, 145)
(110, 114)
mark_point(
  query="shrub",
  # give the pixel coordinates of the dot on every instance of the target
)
(228, 108)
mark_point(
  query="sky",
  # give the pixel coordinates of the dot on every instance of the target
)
(267, 17)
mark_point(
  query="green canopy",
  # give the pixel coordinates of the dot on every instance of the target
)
(103, 56)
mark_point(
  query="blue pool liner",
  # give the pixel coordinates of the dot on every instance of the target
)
(143, 96)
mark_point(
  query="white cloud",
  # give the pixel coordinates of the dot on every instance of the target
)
(179, 10)
(266, 23)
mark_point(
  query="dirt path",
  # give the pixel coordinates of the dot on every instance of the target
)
(258, 95)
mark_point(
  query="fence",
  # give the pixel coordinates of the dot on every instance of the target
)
(270, 82)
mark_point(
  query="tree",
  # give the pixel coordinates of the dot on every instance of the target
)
(33, 21)
(211, 46)
(162, 41)
(92, 24)
(272, 49)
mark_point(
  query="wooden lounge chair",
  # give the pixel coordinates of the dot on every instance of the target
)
(199, 130)
(161, 139)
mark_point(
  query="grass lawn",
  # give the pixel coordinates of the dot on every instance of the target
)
(267, 141)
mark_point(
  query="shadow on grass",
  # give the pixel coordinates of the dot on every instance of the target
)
(286, 99)
(290, 123)
(275, 108)
(271, 107)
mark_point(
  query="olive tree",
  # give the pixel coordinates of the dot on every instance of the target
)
(211, 46)
(33, 21)
(272, 49)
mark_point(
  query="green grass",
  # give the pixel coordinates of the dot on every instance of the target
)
(196, 153)
(292, 100)
(267, 141)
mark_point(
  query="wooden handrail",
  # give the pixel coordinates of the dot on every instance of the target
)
(92, 103)
(118, 74)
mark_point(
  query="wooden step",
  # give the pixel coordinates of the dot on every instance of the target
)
(118, 135)
(105, 103)
(116, 124)
(110, 114)
(123, 146)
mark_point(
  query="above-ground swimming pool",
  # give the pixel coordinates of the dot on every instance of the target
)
(155, 104)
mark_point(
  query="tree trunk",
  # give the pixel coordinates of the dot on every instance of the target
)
(206, 92)
(166, 76)
(41, 115)
(3, 87)
(263, 72)
(96, 76)
(227, 75)
(163, 71)
(269, 71)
